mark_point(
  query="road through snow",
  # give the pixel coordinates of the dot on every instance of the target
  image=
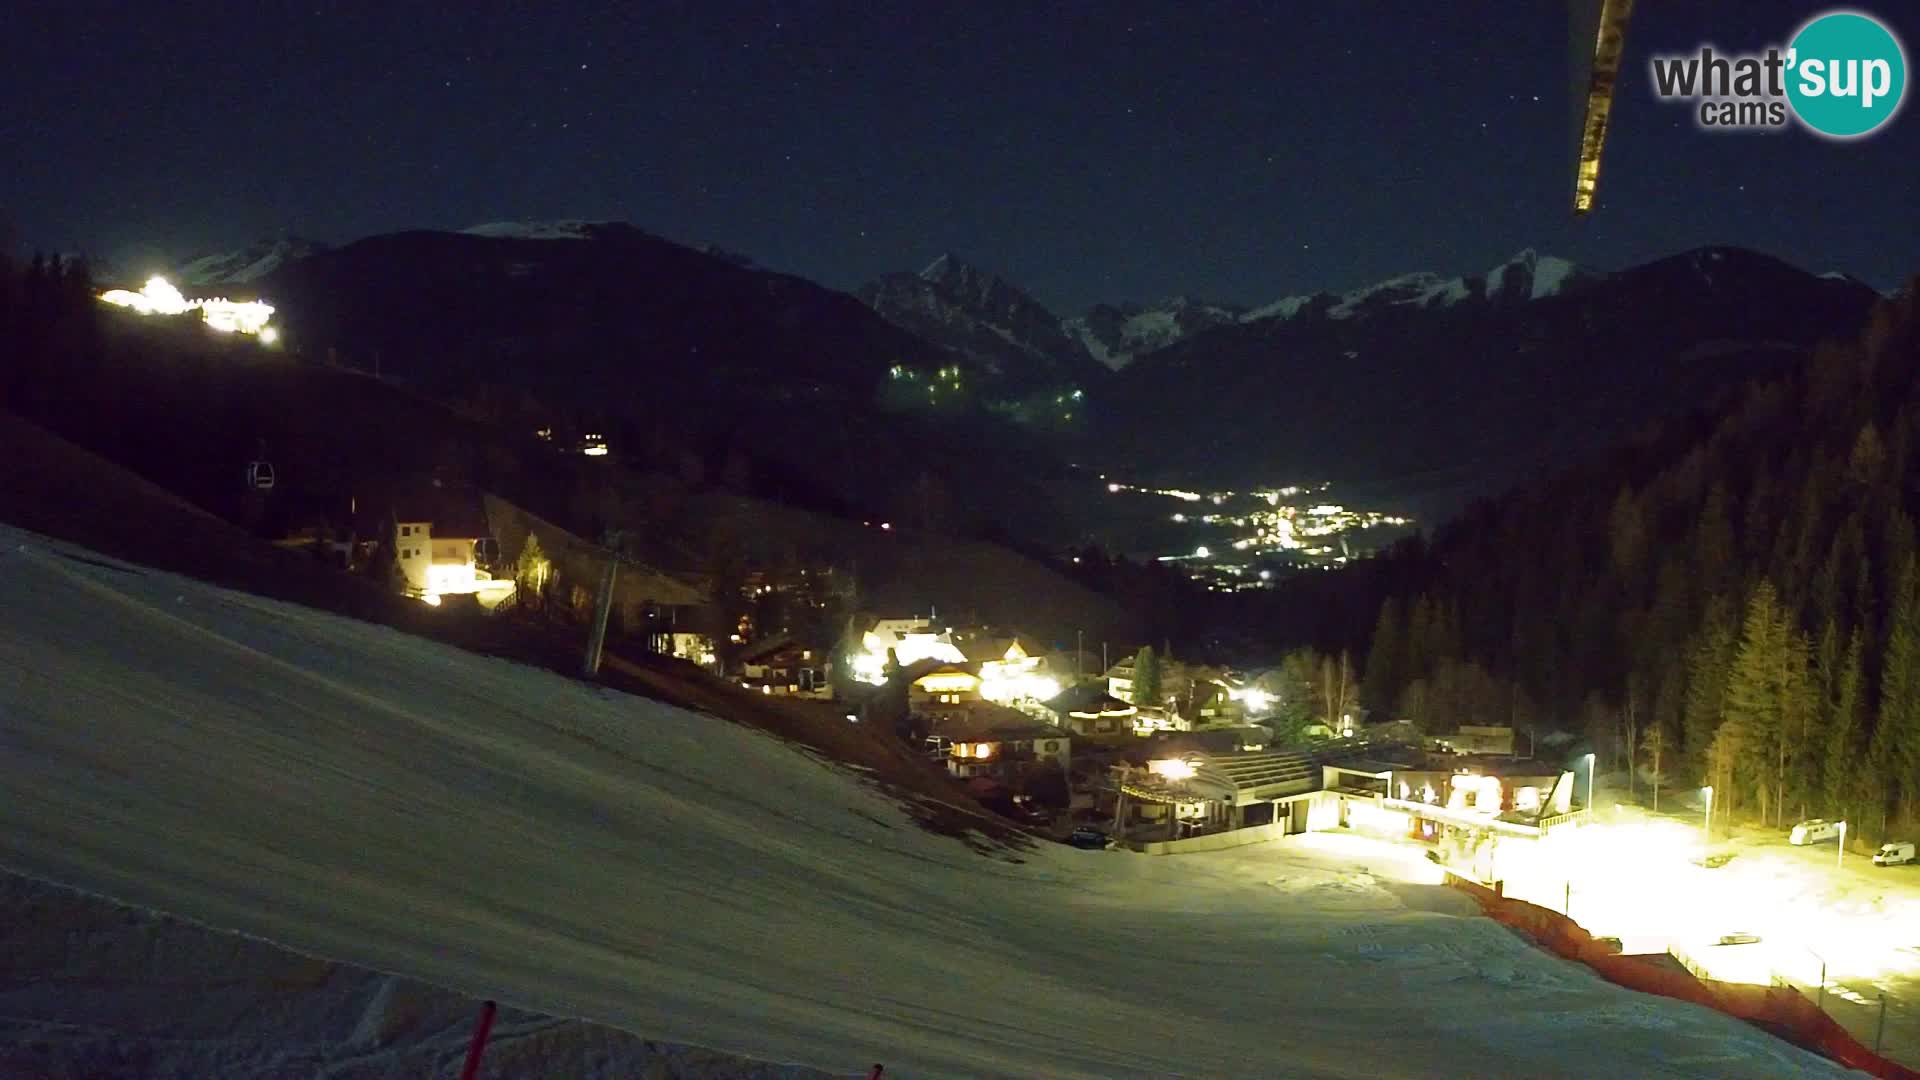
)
(358, 794)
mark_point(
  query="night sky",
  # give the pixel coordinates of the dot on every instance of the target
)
(1089, 151)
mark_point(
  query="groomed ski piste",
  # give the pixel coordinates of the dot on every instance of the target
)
(352, 793)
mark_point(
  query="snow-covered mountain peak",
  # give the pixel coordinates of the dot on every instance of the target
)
(946, 265)
(1116, 333)
(951, 272)
(1541, 276)
(1421, 289)
(980, 315)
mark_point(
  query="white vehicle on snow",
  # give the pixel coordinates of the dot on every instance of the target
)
(1814, 832)
(1894, 854)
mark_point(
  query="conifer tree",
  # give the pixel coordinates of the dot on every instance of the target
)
(1843, 780)
(1386, 658)
(1146, 678)
(1713, 546)
(1708, 662)
(1759, 702)
(1895, 748)
(1627, 537)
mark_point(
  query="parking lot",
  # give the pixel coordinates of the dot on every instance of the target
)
(1747, 907)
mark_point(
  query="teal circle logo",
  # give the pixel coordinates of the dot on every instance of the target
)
(1846, 74)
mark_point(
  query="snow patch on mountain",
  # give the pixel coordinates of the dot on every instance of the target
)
(1284, 308)
(245, 265)
(1421, 290)
(1541, 275)
(565, 229)
(1550, 276)
(1094, 346)
(1114, 335)
(1526, 276)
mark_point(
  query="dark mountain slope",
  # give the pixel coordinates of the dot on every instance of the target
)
(678, 347)
(1462, 398)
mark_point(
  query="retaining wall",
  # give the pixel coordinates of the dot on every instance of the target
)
(1220, 841)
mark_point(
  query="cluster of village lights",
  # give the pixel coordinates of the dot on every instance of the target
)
(160, 297)
(1282, 525)
(1001, 682)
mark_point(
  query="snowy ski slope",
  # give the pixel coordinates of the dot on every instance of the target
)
(361, 795)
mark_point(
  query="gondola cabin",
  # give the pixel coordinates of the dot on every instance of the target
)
(260, 475)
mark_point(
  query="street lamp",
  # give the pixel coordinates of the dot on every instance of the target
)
(1590, 766)
(1706, 831)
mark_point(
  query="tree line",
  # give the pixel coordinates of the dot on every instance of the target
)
(1730, 599)
(49, 327)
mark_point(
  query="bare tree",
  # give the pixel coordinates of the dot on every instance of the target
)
(1336, 682)
(1630, 729)
(1656, 743)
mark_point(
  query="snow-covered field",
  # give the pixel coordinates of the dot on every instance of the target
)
(98, 989)
(364, 796)
(1634, 875)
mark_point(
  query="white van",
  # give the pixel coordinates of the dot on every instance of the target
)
(1894, 854)
(1813, 832)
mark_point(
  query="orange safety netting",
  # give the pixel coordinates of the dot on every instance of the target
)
(1783, 1011)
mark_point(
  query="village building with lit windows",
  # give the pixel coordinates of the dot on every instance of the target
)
(996, 742)
(872, 643)
(1200, 790)
(934, 687)
(439, 537)
(1089, 712)
(1192, 697)
(1257, 796)
(785, 665)
(1466, 812)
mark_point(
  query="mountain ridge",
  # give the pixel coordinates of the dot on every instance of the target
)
(980, 313)
(1469, 393)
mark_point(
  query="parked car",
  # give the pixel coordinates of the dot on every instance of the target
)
(1894, 854)
(1738, 939)
(1086, 836)
(1814, 831)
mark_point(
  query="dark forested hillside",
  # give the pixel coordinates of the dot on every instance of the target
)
(669, 348)
(1731, 600)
